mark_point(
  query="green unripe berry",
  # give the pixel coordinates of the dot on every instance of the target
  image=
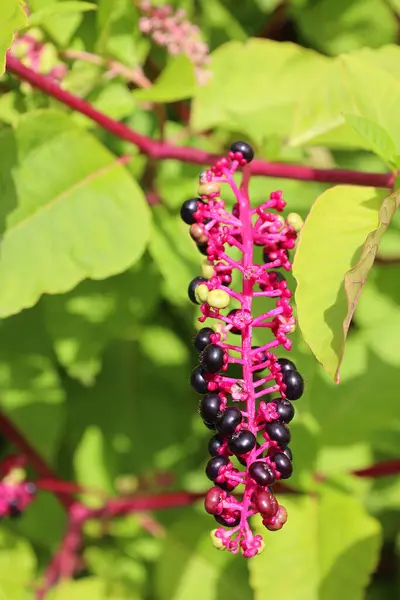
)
(201, 293)
(295, 221)
(207, 269)
(218, 299)
(217, 542)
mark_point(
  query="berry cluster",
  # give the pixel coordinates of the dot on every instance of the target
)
(249, 414)
(173, 30)
(15, 492)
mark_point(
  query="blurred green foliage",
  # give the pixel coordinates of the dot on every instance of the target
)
(96, 329)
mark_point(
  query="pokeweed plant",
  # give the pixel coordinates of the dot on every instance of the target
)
(249, 417)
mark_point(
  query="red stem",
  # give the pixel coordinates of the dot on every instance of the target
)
(381, 469)
(164, 150)
(14, 436)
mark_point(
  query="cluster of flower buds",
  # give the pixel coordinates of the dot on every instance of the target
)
(39, 56)
(15, 492)
(173, 31)
(250, 414)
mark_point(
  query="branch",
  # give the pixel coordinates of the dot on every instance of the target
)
(380, 469)
(16, 438)
(164, 150)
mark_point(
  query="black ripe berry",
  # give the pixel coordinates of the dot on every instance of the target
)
(287, 452)
(212, 501)
(198, 380)
(215, 443)
(294, 385)
(286, 365)
(188, 209)
(245, 149)
(220, 519)
(278, 432)
(283, 465)
(202, 338)
(261, 473)
(209, 425)
(228, 420)
(214, 465)
(213, 358)
(13, 510)
(285, 410)
(266, 503)
(210, 407)
(242, 442)
(192, 288)
(202, 248)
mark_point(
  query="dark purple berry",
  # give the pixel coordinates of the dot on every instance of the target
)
(283, 464)
(286, 365)
(228, 420)
(287, 452)
(242, 442)
(278, 432)
(14, 511)
(215, 443)
(192, 287)
(261, 473)
(214, 465)
(202, 338)
(198, 380)
(266, 503)
(220, 519)
(209, 425)
(188, 209)
(213, 358)
(245, 150)
(285, 409)
(224, 485)
(202, 248)
(212, 500)
(209, 407)
(294, 385)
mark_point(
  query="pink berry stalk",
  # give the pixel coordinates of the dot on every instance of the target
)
(250, 413)
(172, 30)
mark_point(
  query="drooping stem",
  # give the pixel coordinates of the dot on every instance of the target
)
(165, 150)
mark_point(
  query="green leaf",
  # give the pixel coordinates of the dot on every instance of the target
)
(44, 16)
(163, 346)
(376, 137)
(336, 250)
(190, 567)
(90, 587)
(59, 27)
(12, 17)
(77, 212)
(17, 567)
(176, 82)
(330, 544)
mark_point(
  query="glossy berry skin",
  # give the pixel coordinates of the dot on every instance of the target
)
(192, 287)
(266, 503)
(198, 380)
(242, 442)
(261, 473)
(215, 443)
(287, 452)
(188, 209)
(202, 248)
(278, 432)
(202, 338)
(212, 500)
(283, 465)
(245, 149)
(214, 465)
(286, 365)
(285, 410)
(294, 385)
(228, 420)
(213, 358)
(222, 521)
(210, 407)
(209, 425)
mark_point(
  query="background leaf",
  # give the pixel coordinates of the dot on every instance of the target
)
(12, 17)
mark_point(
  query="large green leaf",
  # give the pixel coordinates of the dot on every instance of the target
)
(72, 211)
(327, 549)
(17, 567)
(59, 9)
(190, 567)
(332, 262)
(59, 22)
(12, 17)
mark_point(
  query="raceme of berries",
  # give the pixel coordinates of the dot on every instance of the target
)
(249, 415)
